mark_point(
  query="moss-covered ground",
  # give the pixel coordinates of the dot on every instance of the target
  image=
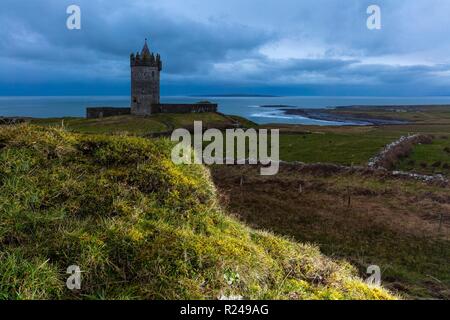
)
(139, 227)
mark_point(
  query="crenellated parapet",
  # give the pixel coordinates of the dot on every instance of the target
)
(146, 59)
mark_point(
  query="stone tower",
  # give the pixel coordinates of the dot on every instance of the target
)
(145, 69)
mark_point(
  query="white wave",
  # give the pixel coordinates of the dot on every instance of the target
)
(271, 115)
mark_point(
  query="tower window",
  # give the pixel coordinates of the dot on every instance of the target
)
(153, 74)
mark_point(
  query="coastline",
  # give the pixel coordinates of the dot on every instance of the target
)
(357, 114)
(327, 115)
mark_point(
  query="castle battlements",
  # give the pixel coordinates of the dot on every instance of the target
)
(146, 58)
(146, 61)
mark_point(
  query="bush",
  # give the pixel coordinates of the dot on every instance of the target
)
(436, 164)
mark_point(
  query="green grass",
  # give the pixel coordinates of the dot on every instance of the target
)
(187, 119)
(134, 125)
(109, 125)
(429, 158)
(139, 227)
(341, 145)
(357, 144)
(335, 147)
(329, 147)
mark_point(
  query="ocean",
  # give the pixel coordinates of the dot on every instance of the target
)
(248, 107)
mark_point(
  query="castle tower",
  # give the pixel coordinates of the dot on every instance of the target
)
(145, 70)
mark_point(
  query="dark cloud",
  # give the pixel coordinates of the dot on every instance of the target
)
(243, 43)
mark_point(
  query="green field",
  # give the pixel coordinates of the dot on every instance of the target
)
(345, 145)
(344, 148)
(329, 147)
(431, 159)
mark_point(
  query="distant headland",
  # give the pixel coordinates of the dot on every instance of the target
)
(235, 95)
(359, 114)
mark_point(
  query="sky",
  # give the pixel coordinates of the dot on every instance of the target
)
(279, 47)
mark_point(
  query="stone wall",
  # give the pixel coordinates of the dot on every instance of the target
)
(396, 150)
(12, 120)
(101, 112)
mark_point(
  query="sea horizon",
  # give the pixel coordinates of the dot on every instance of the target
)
(247, 106)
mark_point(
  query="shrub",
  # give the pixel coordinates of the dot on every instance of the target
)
(436, 164)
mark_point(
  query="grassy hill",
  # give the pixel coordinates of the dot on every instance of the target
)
(139, 227)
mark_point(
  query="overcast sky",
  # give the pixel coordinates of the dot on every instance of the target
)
(294, 47)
